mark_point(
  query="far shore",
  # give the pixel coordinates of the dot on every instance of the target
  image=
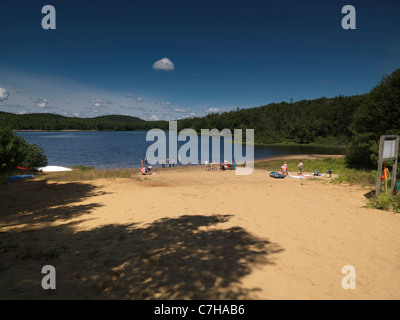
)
(71, 130)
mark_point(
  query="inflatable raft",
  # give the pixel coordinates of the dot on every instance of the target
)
(276, 175)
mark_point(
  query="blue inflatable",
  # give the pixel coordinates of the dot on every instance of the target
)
(12, 179)
(276, 175)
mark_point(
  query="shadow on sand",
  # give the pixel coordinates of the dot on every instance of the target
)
(185, 257)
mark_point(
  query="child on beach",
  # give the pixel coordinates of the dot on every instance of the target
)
(284, 169)
(300, 167)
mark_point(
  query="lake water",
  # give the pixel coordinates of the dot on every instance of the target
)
(113, 150)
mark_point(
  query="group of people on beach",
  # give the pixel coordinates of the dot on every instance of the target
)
(284, 168)
(147, 170)
(225, 165)
(169, 162)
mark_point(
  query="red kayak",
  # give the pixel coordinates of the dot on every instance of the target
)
(23, 168)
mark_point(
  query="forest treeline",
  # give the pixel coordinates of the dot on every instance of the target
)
(305, 121)
(54, 122)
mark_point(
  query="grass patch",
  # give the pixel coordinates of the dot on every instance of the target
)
(385, 201)
(338, 166)
(87, 173)
(79, 173)
(83, 168)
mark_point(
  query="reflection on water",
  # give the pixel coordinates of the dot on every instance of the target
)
(112, 150)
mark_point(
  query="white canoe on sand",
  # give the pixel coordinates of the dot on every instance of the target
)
(52, 169)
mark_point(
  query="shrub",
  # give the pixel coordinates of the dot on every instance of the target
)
(15, 151)
(386, 202)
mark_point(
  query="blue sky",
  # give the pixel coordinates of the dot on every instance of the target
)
(221, 55)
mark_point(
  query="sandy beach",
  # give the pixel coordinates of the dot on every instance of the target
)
(187, 233)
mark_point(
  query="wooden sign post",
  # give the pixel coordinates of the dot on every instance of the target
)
(388, 150)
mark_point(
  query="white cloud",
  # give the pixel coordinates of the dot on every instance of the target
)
(3, 94)
(179, 110)
(182, 109)
(41, 103)
(164, 64)
(99, 105)
(212, 110)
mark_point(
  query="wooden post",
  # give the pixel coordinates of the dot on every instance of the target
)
(394, 173)
(380, 162)
(389, 157)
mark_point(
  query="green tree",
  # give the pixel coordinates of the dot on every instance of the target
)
(378, 115)
(15, 151)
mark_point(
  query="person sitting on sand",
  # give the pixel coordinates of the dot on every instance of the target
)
(284, 169)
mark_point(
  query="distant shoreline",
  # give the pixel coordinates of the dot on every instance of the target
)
(71, 130)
